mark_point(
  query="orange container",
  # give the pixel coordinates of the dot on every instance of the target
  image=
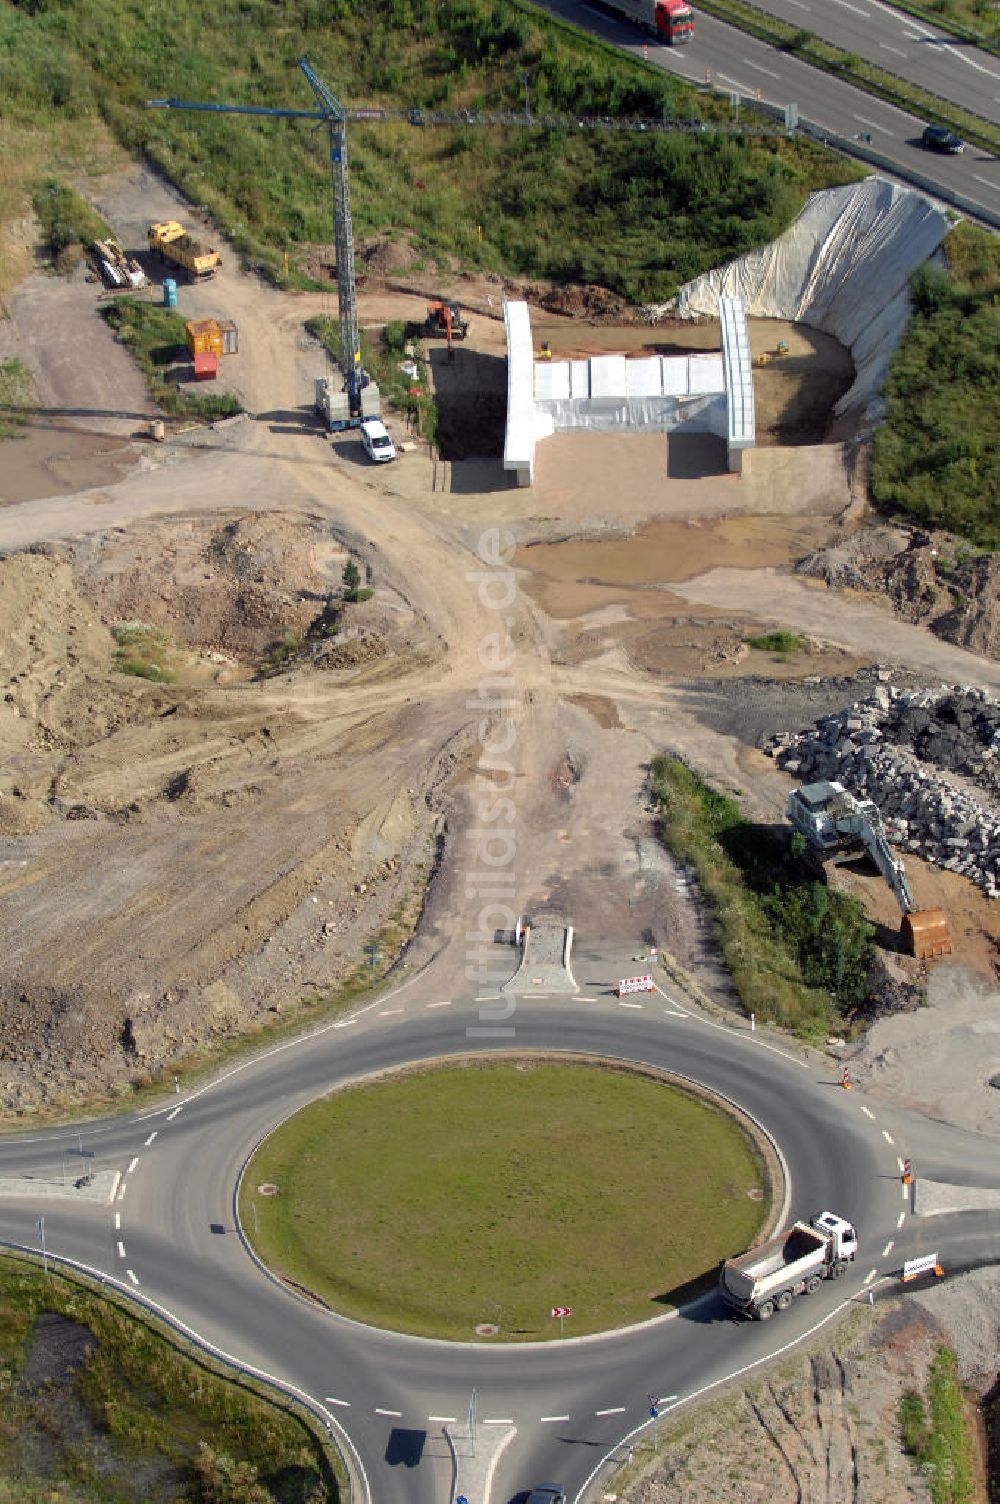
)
(203, 335)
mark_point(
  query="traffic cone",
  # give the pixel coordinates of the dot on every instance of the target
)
(846, 1079)
(907, 1173)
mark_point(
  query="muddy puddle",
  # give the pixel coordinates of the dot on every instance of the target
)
(49, 460)
(578, 575)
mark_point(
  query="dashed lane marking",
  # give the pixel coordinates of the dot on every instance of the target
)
(631, 1005)
(888, 1248)
(676, 1013)
(985, 181)
(445, 1420)
(615, 1410)
(121, 1249)
(759, 68)
(122, 1189)
(888, 1137)
(546, 1420)
(900, 1220)
(897, 50)
(872, 1274)
(904, 1189)
(172, 1115)
(385, 1012)
(151, 1137)
(118, 1221)
(439, 1005)
(868, 1113)
(499, 1420)
(666, 1399)
(132, 1276)
(396, 1414)
(132, 1165)
(328, 1399)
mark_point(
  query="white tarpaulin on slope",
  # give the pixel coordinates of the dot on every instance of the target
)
(844, 267)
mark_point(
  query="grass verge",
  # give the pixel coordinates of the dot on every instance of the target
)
(798, 953)
(936, 458)
(783, 644)
(487, 1193)
(936, 1435)
(155, 337)
(66, 221)
(970, 20)
(810, 49)
(99, 1404)
(143, 651)
(17, 397)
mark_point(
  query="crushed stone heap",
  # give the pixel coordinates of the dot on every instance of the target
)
(891, 747)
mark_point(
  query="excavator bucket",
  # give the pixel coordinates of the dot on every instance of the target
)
(926, 934)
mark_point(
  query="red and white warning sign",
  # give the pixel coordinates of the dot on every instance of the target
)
(634, 984)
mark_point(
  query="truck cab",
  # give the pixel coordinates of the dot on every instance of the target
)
(843, 1238)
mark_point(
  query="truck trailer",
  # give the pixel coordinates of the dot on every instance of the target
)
(670, 20)
(171, 242)
(796, 1262)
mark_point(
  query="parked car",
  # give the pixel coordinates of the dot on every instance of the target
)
(375, 438)
(938, 138)
(547, 1493)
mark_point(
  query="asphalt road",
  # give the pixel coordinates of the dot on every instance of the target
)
(923, 55)
(741, 64)
(171, 1234)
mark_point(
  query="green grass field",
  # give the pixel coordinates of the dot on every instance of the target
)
(488, 1194)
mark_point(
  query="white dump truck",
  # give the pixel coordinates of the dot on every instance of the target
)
(795, 1262)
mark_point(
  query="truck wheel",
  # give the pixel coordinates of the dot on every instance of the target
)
(766, 1311)
(784, 1300)
(839, 1268)
(812, 1285)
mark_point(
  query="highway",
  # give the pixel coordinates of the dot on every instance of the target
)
(923, 55)
(740, 64)
(171, 1235)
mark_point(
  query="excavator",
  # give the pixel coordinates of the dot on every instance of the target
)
(832, 819)
(446, 318)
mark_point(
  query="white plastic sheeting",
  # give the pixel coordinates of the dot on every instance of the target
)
(519, 443)
(612, 392)
(741, 424)
(843, 267)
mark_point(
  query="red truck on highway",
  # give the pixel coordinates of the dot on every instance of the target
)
(670, 20)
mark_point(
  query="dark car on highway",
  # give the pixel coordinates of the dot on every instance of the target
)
(547, 1493)
(937, 138)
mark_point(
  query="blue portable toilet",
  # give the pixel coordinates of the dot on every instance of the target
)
(169, 293)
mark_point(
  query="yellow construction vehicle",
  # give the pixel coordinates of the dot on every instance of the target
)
(171, 242)
(831, 819)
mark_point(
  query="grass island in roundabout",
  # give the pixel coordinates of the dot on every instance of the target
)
(468, 1199)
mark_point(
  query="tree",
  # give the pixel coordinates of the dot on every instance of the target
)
(352, 580)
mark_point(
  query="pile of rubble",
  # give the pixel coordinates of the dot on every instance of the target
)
(889, 748)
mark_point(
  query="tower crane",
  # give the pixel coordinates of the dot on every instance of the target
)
(335, 115)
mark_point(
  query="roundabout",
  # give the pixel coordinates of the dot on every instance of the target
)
(469, 1198)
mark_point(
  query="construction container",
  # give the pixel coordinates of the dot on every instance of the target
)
(169, 293)
(156, 430)
(230, 337)
(206, 365)
(203, 337)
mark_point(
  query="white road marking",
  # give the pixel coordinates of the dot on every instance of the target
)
(900, 1220)
(345, 1023)
(759, 68)
(121, 1249)
(329, 1399)
(888, 1248)
(586, 999)
(172, 1115)
(904, 1190)
(615, 1410)
(874, 125)
(118, 1221)
(799, 5)
(438, 1005)
(445, 1420)
(868, 1113)
(866, 15)
(132, 1276)
(499, 1420)
(666, 1399)
(545, 995)
(748, 1038)
(872, 1274)
(132, 1165)
(385, 1012)
(396, 1414)
(985, 181)
(888, 1138)
(897, 50)
(122, 1189)
(548, 1419)
(489, 997)
(676, 1013)
(151, 1138)
(631, 1005)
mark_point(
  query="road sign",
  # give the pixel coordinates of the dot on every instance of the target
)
(83, 1153)
(914, 1268)
(561, 1311)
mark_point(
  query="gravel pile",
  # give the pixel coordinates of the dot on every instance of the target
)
(889, 748)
